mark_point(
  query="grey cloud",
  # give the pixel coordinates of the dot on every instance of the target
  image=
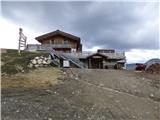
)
(104, 24)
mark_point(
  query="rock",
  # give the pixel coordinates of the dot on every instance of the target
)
(151, 95)
(34, 61)
(39, 61)
(30, 65)
(48, 61)
(17, 110)
(101, 84)
(49, 91)
(133, 116)
(49, 118)
(36, 58)
(44, 62)
(41, 57)
(45, 58)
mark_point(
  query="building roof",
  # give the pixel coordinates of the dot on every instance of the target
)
(84, 55)
(97, 54)
(55, 33)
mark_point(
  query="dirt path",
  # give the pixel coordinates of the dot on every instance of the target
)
(128, 82)
(86, 95)
(127, 90)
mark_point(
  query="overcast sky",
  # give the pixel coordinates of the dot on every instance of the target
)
(128, 26)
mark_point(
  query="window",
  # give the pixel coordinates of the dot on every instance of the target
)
(65, 41)
(50, 41)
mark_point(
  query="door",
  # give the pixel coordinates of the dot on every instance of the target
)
(96, 63)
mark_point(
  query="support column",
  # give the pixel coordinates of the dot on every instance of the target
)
(89, 63)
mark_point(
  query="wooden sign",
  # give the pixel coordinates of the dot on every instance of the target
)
(22, 40)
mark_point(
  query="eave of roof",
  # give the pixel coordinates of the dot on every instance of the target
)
(57, 32)
(97, 54)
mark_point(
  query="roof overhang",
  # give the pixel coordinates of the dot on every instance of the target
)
(96, 56)
(57, 33)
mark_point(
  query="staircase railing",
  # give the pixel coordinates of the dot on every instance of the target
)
(75, 61)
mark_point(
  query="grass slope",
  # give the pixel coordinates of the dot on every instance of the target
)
(12, 62)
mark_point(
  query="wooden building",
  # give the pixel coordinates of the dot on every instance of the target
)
(68, 47)
(103, 60)
(59, 41)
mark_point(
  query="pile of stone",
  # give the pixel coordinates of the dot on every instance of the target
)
(40, 62)
(154, 68)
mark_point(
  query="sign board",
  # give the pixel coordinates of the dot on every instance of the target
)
(66, 63)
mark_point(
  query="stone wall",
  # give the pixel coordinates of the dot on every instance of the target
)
(40, 62)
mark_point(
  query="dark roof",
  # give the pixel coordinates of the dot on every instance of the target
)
(57, 32)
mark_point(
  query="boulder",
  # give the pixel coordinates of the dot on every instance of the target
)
(41, 57)
(34, 61)
(44, 58)
(36, 58)
(39, 61)
(44, 62)
(48, 61)
(30, 65)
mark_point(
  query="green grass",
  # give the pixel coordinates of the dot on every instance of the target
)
(14, 62)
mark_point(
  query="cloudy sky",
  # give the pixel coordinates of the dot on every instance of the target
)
(125, 26)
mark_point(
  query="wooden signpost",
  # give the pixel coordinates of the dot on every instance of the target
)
(22, 40)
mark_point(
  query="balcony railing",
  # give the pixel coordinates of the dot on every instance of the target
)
(55, 46)
(46, 46)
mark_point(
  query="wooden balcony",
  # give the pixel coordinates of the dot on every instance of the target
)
(44, 46)
(35, 47)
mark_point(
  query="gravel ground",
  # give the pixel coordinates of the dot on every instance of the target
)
(86, 95)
